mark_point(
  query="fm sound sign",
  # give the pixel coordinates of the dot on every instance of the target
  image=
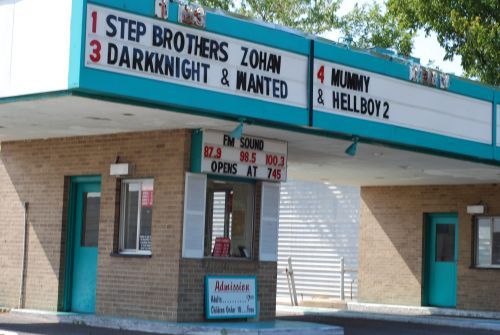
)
(247, 157)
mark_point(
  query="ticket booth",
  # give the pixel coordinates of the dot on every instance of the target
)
(231, 213)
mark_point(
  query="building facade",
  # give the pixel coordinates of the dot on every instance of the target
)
(143, 145)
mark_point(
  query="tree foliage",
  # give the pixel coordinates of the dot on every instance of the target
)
(366, 26)
(463, 27)
(315, 16)
(369, 25)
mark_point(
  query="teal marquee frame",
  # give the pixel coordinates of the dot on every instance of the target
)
(145, 92)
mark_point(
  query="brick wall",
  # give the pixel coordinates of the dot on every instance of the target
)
(191, 284)
(11, 239)
(391, 236)
(35, 171)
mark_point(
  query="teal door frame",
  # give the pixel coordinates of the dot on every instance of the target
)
(439, 287)
(70, 236)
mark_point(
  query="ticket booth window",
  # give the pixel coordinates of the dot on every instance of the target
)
(136, 210)
(229, 219)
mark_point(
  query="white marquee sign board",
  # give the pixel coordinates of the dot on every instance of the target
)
(154, 49)
(355, 93)
(247, 157)
(228, 297)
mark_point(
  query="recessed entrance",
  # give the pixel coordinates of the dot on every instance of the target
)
(83, 235)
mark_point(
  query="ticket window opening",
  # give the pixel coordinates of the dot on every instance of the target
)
(229, 219)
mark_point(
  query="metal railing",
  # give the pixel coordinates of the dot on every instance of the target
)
(292, 288)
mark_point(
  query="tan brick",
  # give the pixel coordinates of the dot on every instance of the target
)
(391, 236)
(163, 287)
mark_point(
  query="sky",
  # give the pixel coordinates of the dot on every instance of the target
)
(425, 48)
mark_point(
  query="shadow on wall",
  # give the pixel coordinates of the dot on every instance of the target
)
(32, 175)
(391, 245)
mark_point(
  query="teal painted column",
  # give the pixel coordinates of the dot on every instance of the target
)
(196, 147)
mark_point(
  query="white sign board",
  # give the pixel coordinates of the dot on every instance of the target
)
(351, 92)
(229, 297)
(135, 45)
(248, 157)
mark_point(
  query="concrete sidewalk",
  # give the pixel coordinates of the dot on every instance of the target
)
(173, 328)
(397, 314)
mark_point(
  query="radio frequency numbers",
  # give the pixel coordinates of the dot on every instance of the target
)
(248, 157)
(212, 152)
(275, 160)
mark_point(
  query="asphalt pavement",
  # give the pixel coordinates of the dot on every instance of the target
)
(11, 324)
(16, 324)
(378, 327)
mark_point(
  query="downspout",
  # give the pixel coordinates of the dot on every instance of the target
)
(23, 260)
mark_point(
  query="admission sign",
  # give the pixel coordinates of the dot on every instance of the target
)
(230, 297)
(150, 48)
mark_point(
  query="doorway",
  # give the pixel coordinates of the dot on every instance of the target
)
(82, 247)
(440, 255)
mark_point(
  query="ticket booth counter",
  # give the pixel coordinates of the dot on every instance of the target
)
(230, 227)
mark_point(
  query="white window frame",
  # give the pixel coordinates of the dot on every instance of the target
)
(123, 194)
(476, 237)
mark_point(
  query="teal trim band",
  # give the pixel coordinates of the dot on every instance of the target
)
(399, 136)
(173, 12)
(257, 33)
(361, 60)
(494, 118)
(196, 150)
(86, 179)
(310, 84)
(76, 42)
(189, 98)
(470, 88)
(132, 6)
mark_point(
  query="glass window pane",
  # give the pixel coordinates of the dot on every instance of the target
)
(146, 215)
(241, 224)
(90, 226)
(495, 252)
(483, 255)
(218, 215)
(445, 242)
(230, 215)
(131, 193)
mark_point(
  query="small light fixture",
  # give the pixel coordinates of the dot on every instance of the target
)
(476, 209)
(120, 169)
(351, 150)
(238, 131)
